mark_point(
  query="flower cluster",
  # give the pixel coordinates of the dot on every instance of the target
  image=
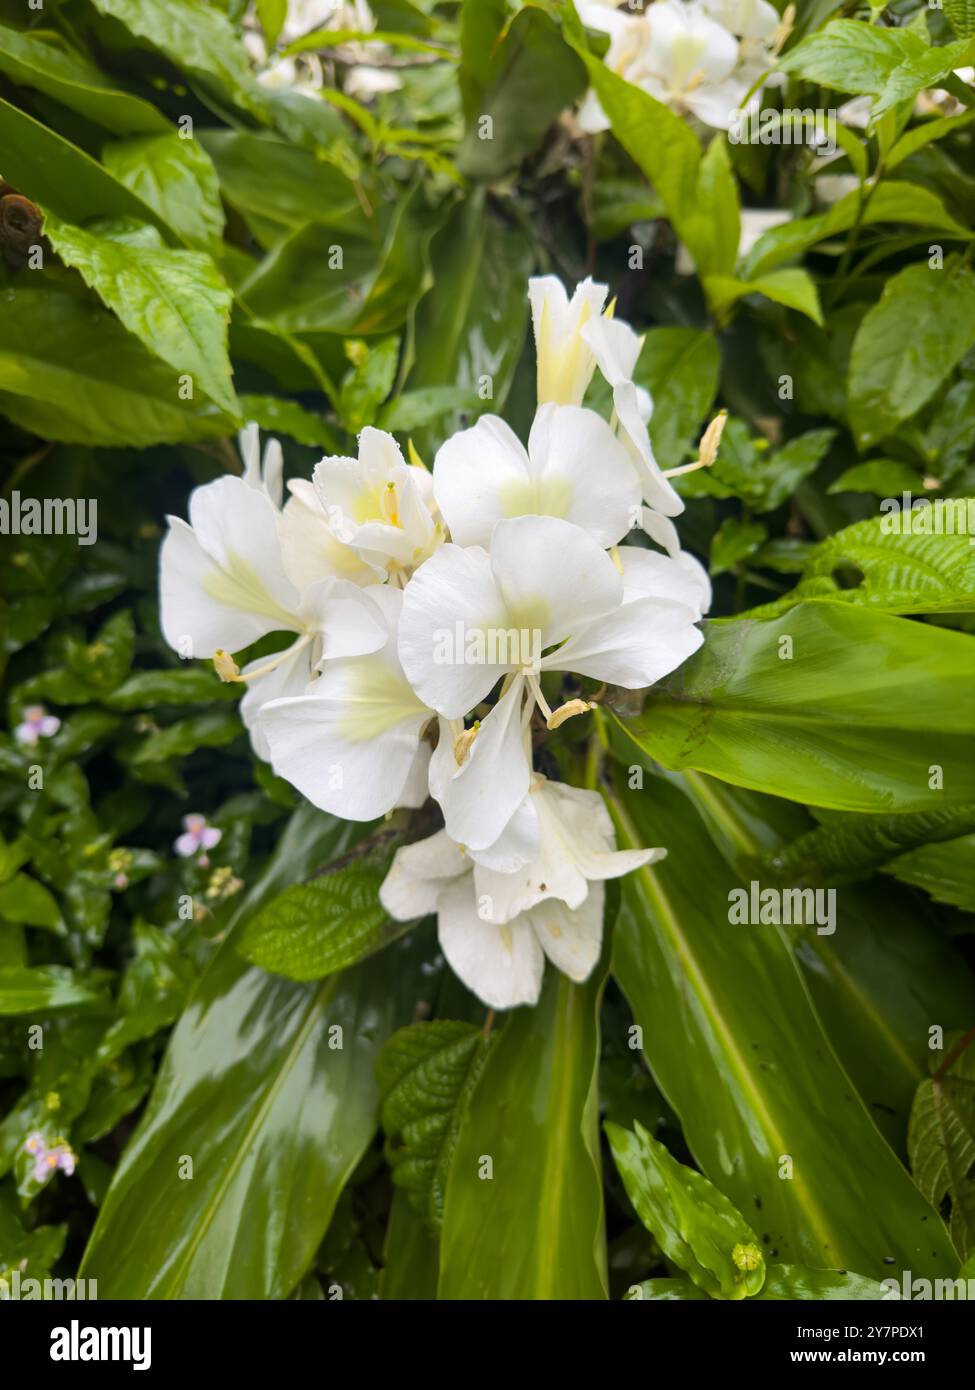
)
(700, 57)
(434, 619)
(303, 73)
(51, 1158)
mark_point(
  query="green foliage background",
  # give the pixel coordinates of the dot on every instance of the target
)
(843, 345)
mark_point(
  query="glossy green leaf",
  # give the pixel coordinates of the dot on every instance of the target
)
(533, 1229)
(694, 1224)
(267, 1087)
(61, 177)
(734, 1044)
(854, 712)
(27, 902)
(891, 376)
(794, 288)
(890, 201)
(794, 1282)
(176, 178)
(174, 301)
(515, 84)
(882, 477)
(43, 990)
(30, 61)
(849, 846)
(410, 1256)
(279, 416)
(679, 367)
(470, 327)
(427, 1074)
(878, 979)
(945, 870)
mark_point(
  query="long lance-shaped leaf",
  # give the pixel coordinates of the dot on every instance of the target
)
(523, 1216)
(735, 1046)
(842, 708)
(264, 1104)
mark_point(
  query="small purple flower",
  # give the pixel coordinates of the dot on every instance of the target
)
(49, 1160)
(197, 838)
(37, 724)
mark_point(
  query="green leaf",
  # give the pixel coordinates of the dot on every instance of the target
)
(851, 846)
(795, 1282)
(175, 301)
(368, 383)
(59, 176)
(679, 367)
(946, 871)
(918, 72)
(665, 1291)
(850, 56)
(718, 194)
(855, 719)
(427, 1074)
(280, 416)
(70, 371)
(898, 572)
(104, 662)
(272, 14)
(793, 288)
(890, 201)
(534, 1228)
(694, 1224)
(941, 1138)
(913, 140)
(883, 477)
(185, 686)
(878, 980)
(961, 17)
(470, 327)
(29, 60)
(272, 1104)
(411, 1256)
(733, 542)
(892, 374)
(174, 177)
(198, 39)
(314, 929)
(517, 80)
(211, 729)
(27, 902)
(43, 990)
(321, 280)
(765, 1084)
(278, 186)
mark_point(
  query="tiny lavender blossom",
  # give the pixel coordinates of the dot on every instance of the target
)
(49, 1160)
(197, 838)
(37, 723)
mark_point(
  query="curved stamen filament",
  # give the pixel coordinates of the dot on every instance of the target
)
(229, 672)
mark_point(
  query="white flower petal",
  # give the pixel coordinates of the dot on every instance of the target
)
(309, 550)
(418, 874)
(286, 681)
(580, 472)
(475, 474)
(654, 486)
(648, 574)
(502, 965)
(203, 607)
(452, 597)
(237, 526)
(565, 361)
(571, 938)
(635, 646)
(517, 844)
(479, 798)
(554, 578)
(348, 619)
